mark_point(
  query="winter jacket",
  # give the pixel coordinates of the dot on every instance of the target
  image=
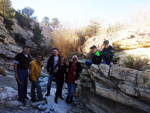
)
(107, 54)
(78, 70)
(35, 70)
(62, 70)
(50, 64)
(97, 58)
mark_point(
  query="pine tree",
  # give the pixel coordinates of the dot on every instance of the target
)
(37, 37)
(28, 11)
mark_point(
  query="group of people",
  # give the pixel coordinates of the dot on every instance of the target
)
(105, 56)
(57, 69)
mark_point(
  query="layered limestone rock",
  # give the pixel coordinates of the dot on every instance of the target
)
(28, 34)
(122, 85)
(4, 34)
(8, 47)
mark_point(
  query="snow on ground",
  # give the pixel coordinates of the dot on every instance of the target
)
(61, 106)
(47, 106)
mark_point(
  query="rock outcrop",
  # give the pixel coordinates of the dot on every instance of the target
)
(8, 48)
(4, 34)
(126, 86)
(127, 41)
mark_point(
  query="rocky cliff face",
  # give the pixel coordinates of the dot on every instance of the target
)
(28, 34)
(126, 90)
(8, 48)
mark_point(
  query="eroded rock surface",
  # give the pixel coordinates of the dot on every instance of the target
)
(126, 86)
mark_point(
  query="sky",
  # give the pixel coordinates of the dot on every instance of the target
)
(78, 13)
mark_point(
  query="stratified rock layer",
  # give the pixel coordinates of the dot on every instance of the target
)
(127, 86)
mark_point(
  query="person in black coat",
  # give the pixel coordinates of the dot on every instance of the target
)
(107, 53)
(53, 60)
(60, 71)
(73, 74)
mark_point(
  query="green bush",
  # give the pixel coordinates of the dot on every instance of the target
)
(37, 34)
(19, 39)
(22, 20)
(7, 12)
(136, 62)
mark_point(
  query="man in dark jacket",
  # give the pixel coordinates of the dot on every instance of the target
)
(96, 56)
(107, 53)
(73, 74)
(53, 60)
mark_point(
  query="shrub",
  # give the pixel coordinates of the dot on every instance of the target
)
(114, 28)
(19, 39)
(92, 30)
(136, 62)
(22, 20)
(37, 34)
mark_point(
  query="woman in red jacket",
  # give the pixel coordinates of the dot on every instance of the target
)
(73, 74)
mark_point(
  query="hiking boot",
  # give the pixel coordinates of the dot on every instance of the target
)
(61, 97)
(26, 98)
(47, 94)
(56, 100)
(33, 100)
(67, 100)
(23, 102)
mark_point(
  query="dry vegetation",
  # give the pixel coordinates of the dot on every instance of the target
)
(68, 41)
(136, 62)
(65, 40)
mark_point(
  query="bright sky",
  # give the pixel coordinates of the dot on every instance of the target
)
(78, 12)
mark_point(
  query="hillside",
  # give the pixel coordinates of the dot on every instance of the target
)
(9, 46)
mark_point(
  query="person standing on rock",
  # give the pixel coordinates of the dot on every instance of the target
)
(107, 53)
(72, 76)
(21, 67)
(34, 76)
(97, 58)
(60, 71)
(53, 60)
